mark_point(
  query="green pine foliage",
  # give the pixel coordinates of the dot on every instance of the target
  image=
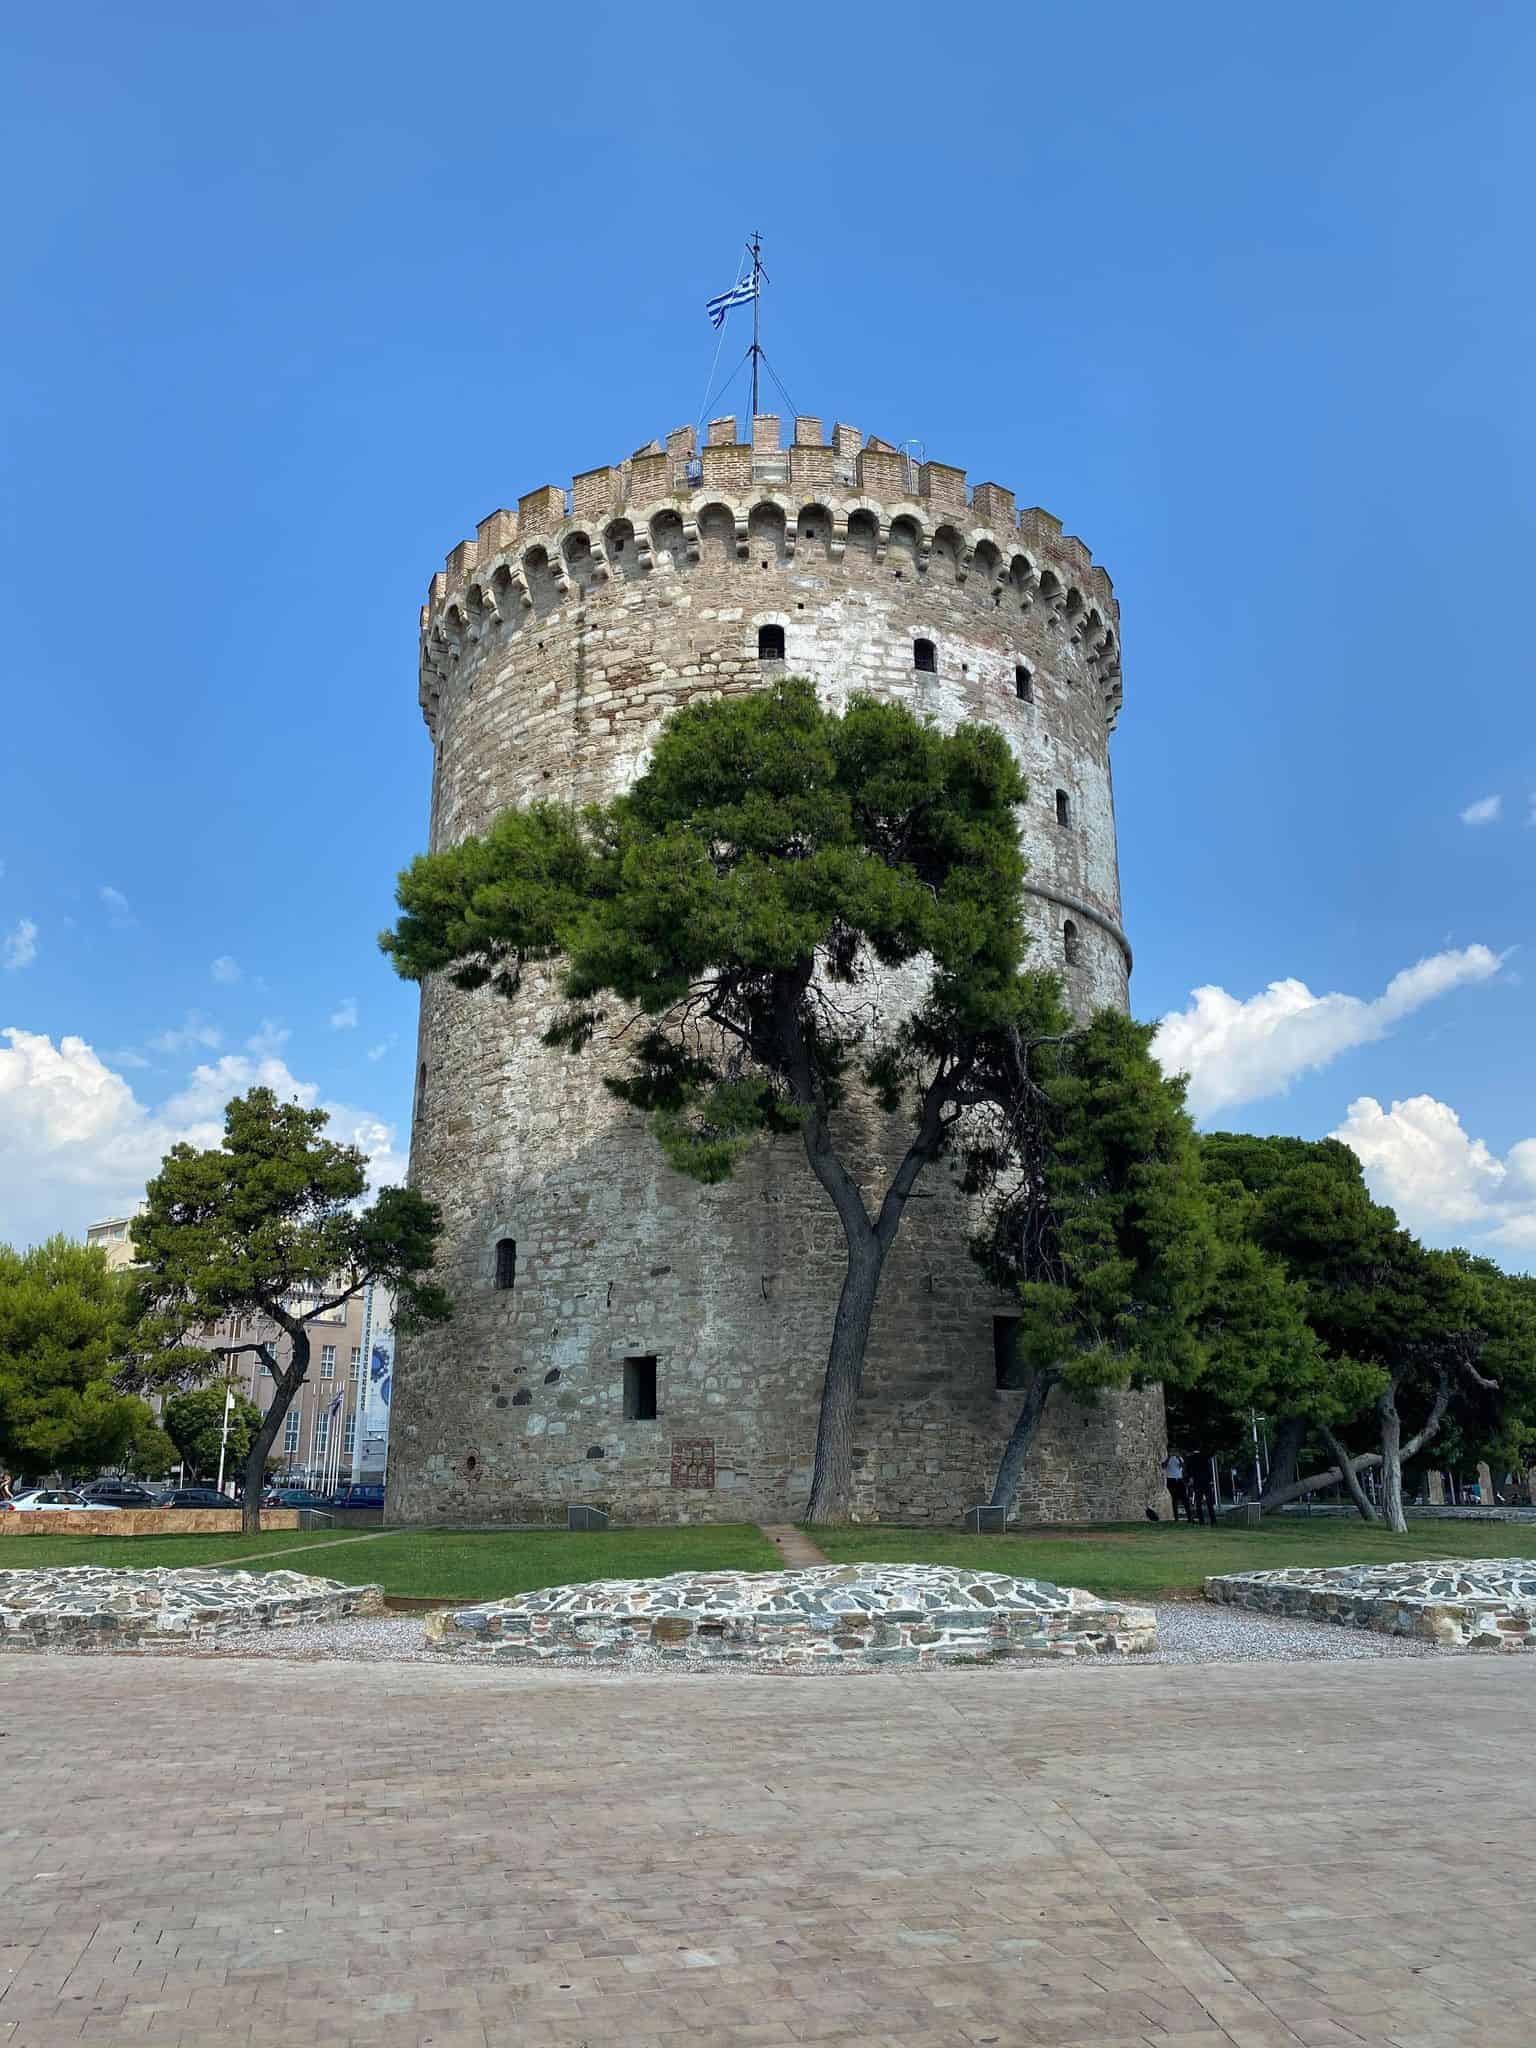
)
(63, 1318)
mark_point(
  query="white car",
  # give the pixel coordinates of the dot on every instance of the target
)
(57, 1497)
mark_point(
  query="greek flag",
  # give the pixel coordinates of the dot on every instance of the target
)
(741, 294)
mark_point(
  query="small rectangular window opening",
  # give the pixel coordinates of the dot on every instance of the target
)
(770, 641)
(640, 1389)
(924, 658)
(506, 1263)
(1004, 1367)
(1071, 951)
(1063, 810)
(1023, 684)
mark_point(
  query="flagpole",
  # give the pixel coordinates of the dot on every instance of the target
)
(756, 246)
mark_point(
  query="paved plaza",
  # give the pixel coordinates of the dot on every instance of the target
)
(255, 1850)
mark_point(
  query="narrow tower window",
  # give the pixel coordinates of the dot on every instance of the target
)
(421, 1088)
(640, 1389)
(1004, 1368)
(506, 1264)
(1070, 949)
(924, 659)
(1023, 684)
(770, 643)
(1063, 810)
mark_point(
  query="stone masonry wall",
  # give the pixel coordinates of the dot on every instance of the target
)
(553, 647)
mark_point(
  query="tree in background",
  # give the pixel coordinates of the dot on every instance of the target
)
(194, 1422)
(1096, 1215)
(268, 1228)
(63, 1315)
(737, 900)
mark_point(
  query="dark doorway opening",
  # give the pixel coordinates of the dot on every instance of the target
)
(640, 1389)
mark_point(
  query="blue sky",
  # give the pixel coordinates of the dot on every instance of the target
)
(1242, 295)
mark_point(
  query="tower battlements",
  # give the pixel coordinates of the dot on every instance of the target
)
(657, 509)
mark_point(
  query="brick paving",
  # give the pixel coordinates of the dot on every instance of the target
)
(1320, 1854)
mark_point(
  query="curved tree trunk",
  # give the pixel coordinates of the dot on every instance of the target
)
(284, 1386)
(1391, 1459)
(1289, 1438)
(832, 1479)
(1010, 1470)
(1350, 1474)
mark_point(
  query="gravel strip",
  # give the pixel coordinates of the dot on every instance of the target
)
(1188, 1632)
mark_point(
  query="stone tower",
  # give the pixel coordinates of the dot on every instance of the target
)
(624, 1336)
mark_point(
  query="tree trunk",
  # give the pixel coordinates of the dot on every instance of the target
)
(1349, 1473)
(1391, 1459)
(1010, 1470)
(284, 1386)
(832, 1480)
(1314, 1482)
(1289, 1438)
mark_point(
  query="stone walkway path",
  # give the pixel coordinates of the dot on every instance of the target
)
(1289, 1856)
(797, 1550)
(293, 1550)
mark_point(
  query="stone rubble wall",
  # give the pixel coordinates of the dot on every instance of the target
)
(1459, 1603)
(99, 1608)
(846, 1615)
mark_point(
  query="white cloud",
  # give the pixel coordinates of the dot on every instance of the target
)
(345, 1018)
(1241, 1050)
(268, 1039)
(1484, 812)
(194, 1032)
(224, 969)
(117, 903)
(377, 1052)
(1440, 1181)
(78, 1144)
(21, 944)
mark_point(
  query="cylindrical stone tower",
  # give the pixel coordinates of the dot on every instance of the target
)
(624, 1336)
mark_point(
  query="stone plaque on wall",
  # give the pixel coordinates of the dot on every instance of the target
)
(693, 1461)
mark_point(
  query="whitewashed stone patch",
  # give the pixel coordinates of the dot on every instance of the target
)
(96, 1607)
(864, 1614)
(1476, 1603)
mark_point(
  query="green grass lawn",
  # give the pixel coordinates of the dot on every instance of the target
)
(435, 1563)
(1170, 1560)
(1132, 1558)
(20, 1551)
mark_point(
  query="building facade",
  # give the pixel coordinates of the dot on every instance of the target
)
(622, 1335)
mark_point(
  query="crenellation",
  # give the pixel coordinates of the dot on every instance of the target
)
(942, 486)
(812, 469)
(992, 506)
(846, 440)
(540, 511)
(765, 433)
(882, 471)
(721, 433)
(495, 534)
(650, 478)
(682, 446)
(727, 466)
(595, 493)
(808, 432)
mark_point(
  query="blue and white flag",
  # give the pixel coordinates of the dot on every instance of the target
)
(335, 1406)
(741, 294)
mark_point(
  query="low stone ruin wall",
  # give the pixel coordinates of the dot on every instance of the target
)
(95, 1608)
(1486, 1603)
(833, 1616)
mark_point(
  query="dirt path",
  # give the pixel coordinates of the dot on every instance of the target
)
(798, 1552)
(334, 1543)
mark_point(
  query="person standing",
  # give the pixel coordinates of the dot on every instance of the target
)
(1173, 1476)
(1200, 1490)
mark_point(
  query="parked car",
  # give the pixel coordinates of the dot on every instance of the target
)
(297, 1497)
(362, 1495)
(119, 1493)
(60, 1497)
(194, 1497)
